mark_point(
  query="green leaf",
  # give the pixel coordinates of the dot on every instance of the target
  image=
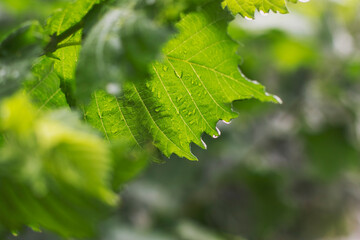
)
(17, 51)
(65, 65)
(45, 89)
(120, 46)
(68, 17)
(68, 20)
(128, 161)
(246, 8)
(54, 172)
(188, 93)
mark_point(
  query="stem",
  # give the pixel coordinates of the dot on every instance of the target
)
(53, 45)
(56, 39)
(68, 44)
(70, 31)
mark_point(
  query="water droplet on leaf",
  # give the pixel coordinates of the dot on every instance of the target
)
(227, 123)
(263, 13)
(218, 133)
(178, 74)
(205, 146)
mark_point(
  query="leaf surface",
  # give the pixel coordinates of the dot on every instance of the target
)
(68, 17)
(67, 53)
(45, 89)
(188, 93)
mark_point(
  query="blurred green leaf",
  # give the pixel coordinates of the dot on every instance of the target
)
(70, 16)
(65, 27)
(17, 51)
(331, 152)
(189, 230)
(128, 162)
(119, 47)
(55, 173)
(45, 89)
(25, 7)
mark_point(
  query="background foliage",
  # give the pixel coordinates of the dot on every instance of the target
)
(277, 172)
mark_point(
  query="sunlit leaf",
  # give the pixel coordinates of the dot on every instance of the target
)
(69, 19)
(45, 89)
(189, 92)
(247, 8)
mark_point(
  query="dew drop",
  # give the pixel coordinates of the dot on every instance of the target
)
(304, 1)
(227, 123)
(278, 99)
(204, 144)
(263, 13)
(178, 75)
(218, 133)
(165, 68)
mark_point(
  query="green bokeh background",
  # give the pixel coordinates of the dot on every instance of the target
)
(278, 172)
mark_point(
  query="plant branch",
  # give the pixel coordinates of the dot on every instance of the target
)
(53, 45)
(68, 44)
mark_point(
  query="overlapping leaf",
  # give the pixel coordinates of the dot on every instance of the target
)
(17, 51)
(45, 89)
(120, 46)
(54, 172)
(247, 8)
(188, 93)
(70, 16)
(68, 49)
